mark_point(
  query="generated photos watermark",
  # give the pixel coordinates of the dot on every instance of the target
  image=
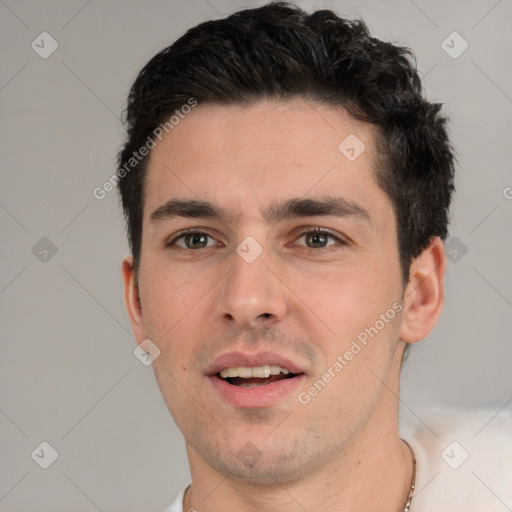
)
(101, 192)
(342, 360)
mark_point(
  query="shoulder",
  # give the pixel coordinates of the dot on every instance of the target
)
(177, 506)
(464, 460)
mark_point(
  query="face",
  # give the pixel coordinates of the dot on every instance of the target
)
(265, 244)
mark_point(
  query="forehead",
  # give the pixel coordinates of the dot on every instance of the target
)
(243, 155)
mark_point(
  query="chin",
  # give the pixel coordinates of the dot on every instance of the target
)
(263, 473)
(274, 464)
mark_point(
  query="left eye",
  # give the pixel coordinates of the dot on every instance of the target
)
(318, 239)
(193, 240)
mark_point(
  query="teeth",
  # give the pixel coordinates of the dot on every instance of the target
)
(276, 370)
(229, 372)
(246, 372)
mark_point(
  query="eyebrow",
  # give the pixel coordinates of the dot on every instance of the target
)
(274, 213)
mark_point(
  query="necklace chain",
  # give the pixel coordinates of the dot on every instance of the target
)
(413, 478)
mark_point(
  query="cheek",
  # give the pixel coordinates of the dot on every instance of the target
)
(167, 300)
(358, 341)
(349, 298)
(178, 311)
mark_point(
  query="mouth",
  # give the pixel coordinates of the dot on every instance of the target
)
(260, 380)
(255, 376)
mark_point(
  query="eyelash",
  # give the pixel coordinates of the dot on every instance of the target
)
(315, 230)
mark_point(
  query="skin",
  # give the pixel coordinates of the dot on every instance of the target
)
(341, 451)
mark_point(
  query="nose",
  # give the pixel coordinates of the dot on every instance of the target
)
(252, 294)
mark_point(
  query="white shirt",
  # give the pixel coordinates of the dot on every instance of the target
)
(463, 462)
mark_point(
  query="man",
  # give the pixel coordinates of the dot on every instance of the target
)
(287, 189)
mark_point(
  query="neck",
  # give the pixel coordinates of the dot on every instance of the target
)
(371, 475)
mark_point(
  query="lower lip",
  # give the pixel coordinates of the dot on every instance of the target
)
(259, 396)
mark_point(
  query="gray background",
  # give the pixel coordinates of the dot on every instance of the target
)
(67, 369)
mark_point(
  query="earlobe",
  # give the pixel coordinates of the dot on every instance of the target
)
(132, 299)
(424, 294)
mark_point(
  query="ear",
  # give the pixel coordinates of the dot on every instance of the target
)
(132, 299)
(424, 294)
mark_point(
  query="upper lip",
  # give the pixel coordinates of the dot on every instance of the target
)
(234, 359)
